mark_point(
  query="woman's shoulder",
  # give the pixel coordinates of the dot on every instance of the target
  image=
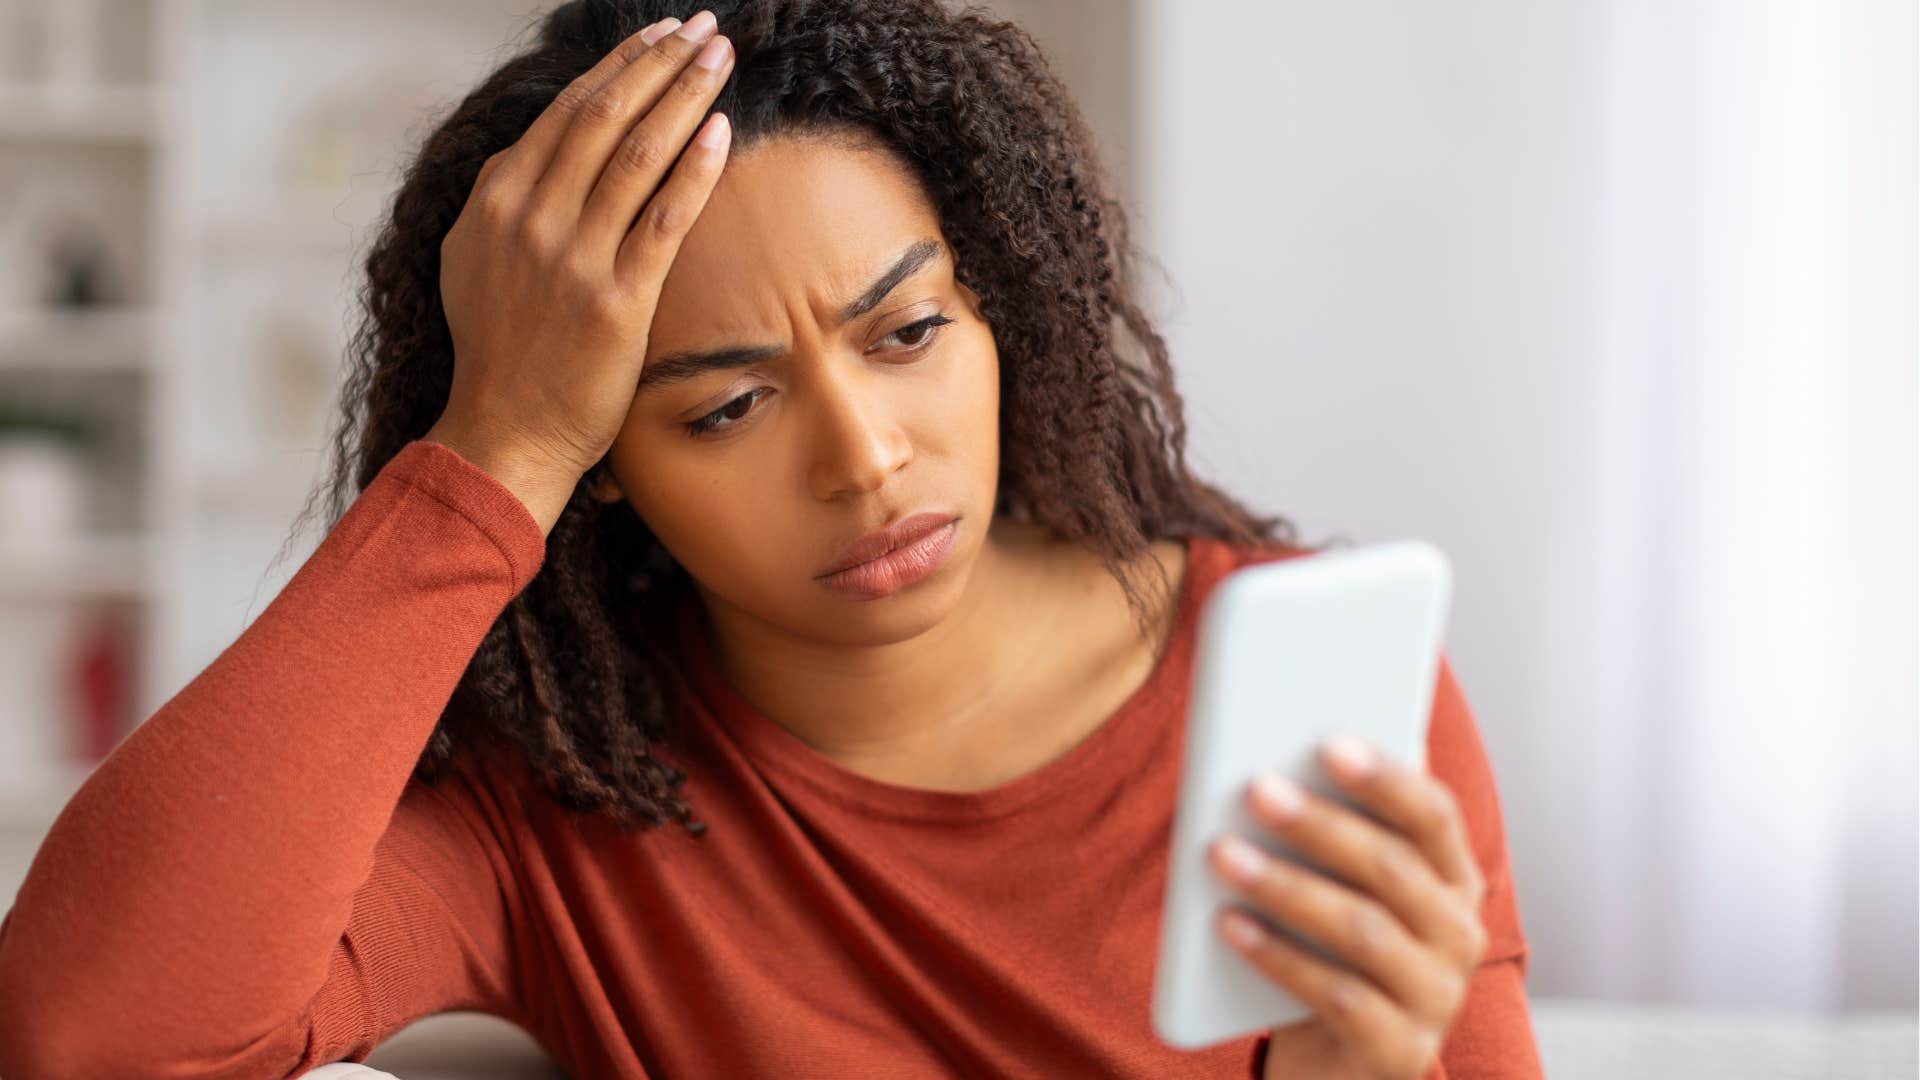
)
(1211, 558)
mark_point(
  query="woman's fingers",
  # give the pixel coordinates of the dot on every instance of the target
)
(650, 246)
(1415, 803)
(1355, 848)
(641, 161)
(1355, 926)
(601, 124)
(521, 165)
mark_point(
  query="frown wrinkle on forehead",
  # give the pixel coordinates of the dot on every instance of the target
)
(679, 366)
(802, 226)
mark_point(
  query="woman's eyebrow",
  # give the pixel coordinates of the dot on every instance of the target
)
(680, 366)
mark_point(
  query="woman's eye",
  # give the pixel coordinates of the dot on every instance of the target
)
(731, 411)
(921, 334)
(927, 330)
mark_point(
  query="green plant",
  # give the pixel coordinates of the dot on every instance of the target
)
(73, 428)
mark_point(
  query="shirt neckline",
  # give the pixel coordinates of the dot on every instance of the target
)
(776, 750)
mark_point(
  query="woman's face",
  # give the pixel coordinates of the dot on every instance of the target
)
(840, 427)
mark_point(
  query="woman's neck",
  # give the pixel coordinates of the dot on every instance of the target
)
(1038, 615)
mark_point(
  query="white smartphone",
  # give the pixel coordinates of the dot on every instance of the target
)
(1287, 654)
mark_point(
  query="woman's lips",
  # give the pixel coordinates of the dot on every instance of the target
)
(882, 540)
(898, 568)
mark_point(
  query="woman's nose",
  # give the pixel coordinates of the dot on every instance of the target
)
(858, 439)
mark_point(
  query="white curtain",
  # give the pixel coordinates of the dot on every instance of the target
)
(1754, 487)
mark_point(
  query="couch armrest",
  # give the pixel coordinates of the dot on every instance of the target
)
(450, 1046)
(346, 1070)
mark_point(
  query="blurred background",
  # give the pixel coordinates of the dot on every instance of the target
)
(1614, 301)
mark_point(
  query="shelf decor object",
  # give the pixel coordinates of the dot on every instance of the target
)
(42, 477)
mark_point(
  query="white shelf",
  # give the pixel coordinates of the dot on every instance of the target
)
(103, 339)
(105, 114)
(100, 565)
(235, 186)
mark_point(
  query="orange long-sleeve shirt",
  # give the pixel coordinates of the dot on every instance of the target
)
(252, 884)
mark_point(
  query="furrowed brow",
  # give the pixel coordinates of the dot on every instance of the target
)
(910, 261)
(678, 367)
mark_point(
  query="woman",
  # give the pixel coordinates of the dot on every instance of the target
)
(643, 395)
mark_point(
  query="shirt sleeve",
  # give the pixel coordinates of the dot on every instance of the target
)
(431, 929)
(253, 883)
(1492, 1036)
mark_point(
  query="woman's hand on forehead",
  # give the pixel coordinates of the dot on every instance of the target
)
(552, 274)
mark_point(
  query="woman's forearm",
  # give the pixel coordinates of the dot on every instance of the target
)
(185, 904)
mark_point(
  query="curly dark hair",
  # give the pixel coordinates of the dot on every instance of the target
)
(579, 672)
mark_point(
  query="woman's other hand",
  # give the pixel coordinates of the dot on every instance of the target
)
(1408, 923)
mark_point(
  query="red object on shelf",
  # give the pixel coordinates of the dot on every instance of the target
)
(101, 678)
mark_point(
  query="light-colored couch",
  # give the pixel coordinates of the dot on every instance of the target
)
(1579, 1040)
(450, 1046)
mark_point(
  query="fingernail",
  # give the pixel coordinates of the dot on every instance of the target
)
(1243, 861)
(714, 133)
(713, 55)
(1352, 754)
(698, 28)
(658, 30)
(1278, 795)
